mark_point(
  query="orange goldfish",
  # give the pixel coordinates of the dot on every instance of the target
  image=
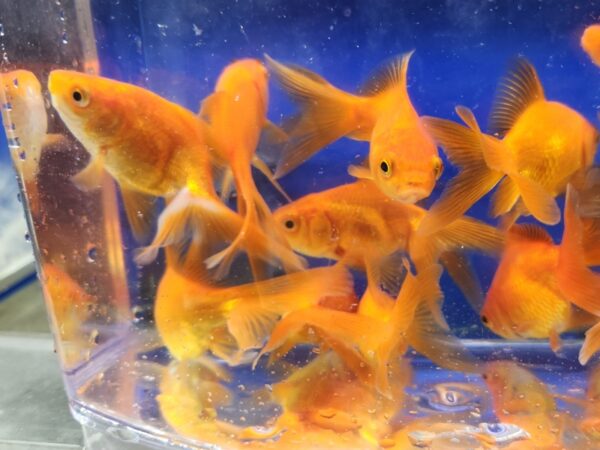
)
(590, 424)
(544, 143)
(520, 398)
(359, 225)
(376, 340)
(193, 316)
(236, 116)
(590, 42)
(403, 159)
(537, 284)
(158, 152)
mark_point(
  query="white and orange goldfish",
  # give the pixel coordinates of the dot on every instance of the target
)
(403, 159)
(544, 143)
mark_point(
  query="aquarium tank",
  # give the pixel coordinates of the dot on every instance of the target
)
(329, 225)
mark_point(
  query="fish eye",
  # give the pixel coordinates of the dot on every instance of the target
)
(386, 168)
(289, 224)
(484, 319)
(438, 168)
(80, 98)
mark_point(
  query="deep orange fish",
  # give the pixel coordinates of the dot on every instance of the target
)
(590, 42)
(236, 115)
(537, 284)
(152, 148)
(362, 227)
(403, 159)
(544, 143)
(193, 316)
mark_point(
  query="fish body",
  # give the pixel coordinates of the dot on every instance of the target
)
(403, 159)
(590, 42)
(538, 146)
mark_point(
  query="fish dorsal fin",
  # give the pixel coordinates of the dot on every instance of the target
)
(530, 232)
(518, 89)
(389, 75)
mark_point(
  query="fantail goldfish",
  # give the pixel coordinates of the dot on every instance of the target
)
(236, 114)
(544, 143)
(403, 159)
(359, 225)
(376, 340)
(193, 316)
(537, 283)
(590, 42)
(152, 148)
(520, 398)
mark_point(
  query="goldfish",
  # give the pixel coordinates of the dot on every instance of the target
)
(543, 144)
(403, 159)
(193, 315)
(362, 227)
(152, 148)
(541, 290)
(236, 117)
(590, 42)
(521, 399)
(590, 424)
(374, 337)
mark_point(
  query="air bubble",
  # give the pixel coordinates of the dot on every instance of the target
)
(1, 30)
(64, 38)
(92, 254)
(7, 106)
(347, 12)
(61, 16)
(27, 237)
(22, 156)
(16, 82)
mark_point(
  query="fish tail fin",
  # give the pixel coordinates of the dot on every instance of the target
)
(577, 282)
(591, 344)
(465, 147)
(327, 114)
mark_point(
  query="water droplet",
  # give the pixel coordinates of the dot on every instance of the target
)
(64, 38)
(61, 15)
(241, 387)
(92, 254)
(19, 197)
(12, 126)
(1, 30)
(7, 106)
(16, 82)
(27, 237)
(22, 156)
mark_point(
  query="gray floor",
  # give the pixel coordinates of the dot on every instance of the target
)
(33, 405)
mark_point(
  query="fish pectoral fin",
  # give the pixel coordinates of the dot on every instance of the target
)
(537, 200)
(360, 172)
(90, 178)
(141, 211)
(591, 344)
(264, 169)
(504, 198)
(578, 283)
(460, 269)
(211, 105)
(250, 325)
(519, 89)
(555, 341)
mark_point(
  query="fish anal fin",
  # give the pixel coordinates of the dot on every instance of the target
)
(90, 178)
(140, 210)
(504, 198)
(540, 203)
(517, 90)
(389, 76)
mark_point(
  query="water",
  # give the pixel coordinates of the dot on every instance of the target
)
(164, 376)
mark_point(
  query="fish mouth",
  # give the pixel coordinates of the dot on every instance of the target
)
(412, 195)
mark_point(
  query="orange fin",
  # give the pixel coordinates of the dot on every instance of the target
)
(461, 271)
(250, 325)
(537, 200)
(504, 198)
(389, 76)
(591, 344)
(529, 232)
(517, 90)
(140, 210)
(578, 283)
(326, 114)
(360, 172)
(226, 184)
(90, 177)
(264, 169)
(555, 341)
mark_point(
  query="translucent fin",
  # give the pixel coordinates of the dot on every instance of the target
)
(226, 184)
(389, 76)
(90, 177)
(326, 114)
(273, 134)
(461, 271)
(577, 282)
(537, 200)
(505, 198)
(517, 90)
(461, 145)
(264, 169)
(591, 241)
(529, 232)
(250, 325)
(360, 172)
(591, 344)
(140, 210)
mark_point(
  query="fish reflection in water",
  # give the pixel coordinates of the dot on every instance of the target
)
(449, 398)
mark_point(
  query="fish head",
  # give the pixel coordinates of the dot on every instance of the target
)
(495, 316)
(242, 73)
(89, 105)
(405, 164)
(307, 228)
